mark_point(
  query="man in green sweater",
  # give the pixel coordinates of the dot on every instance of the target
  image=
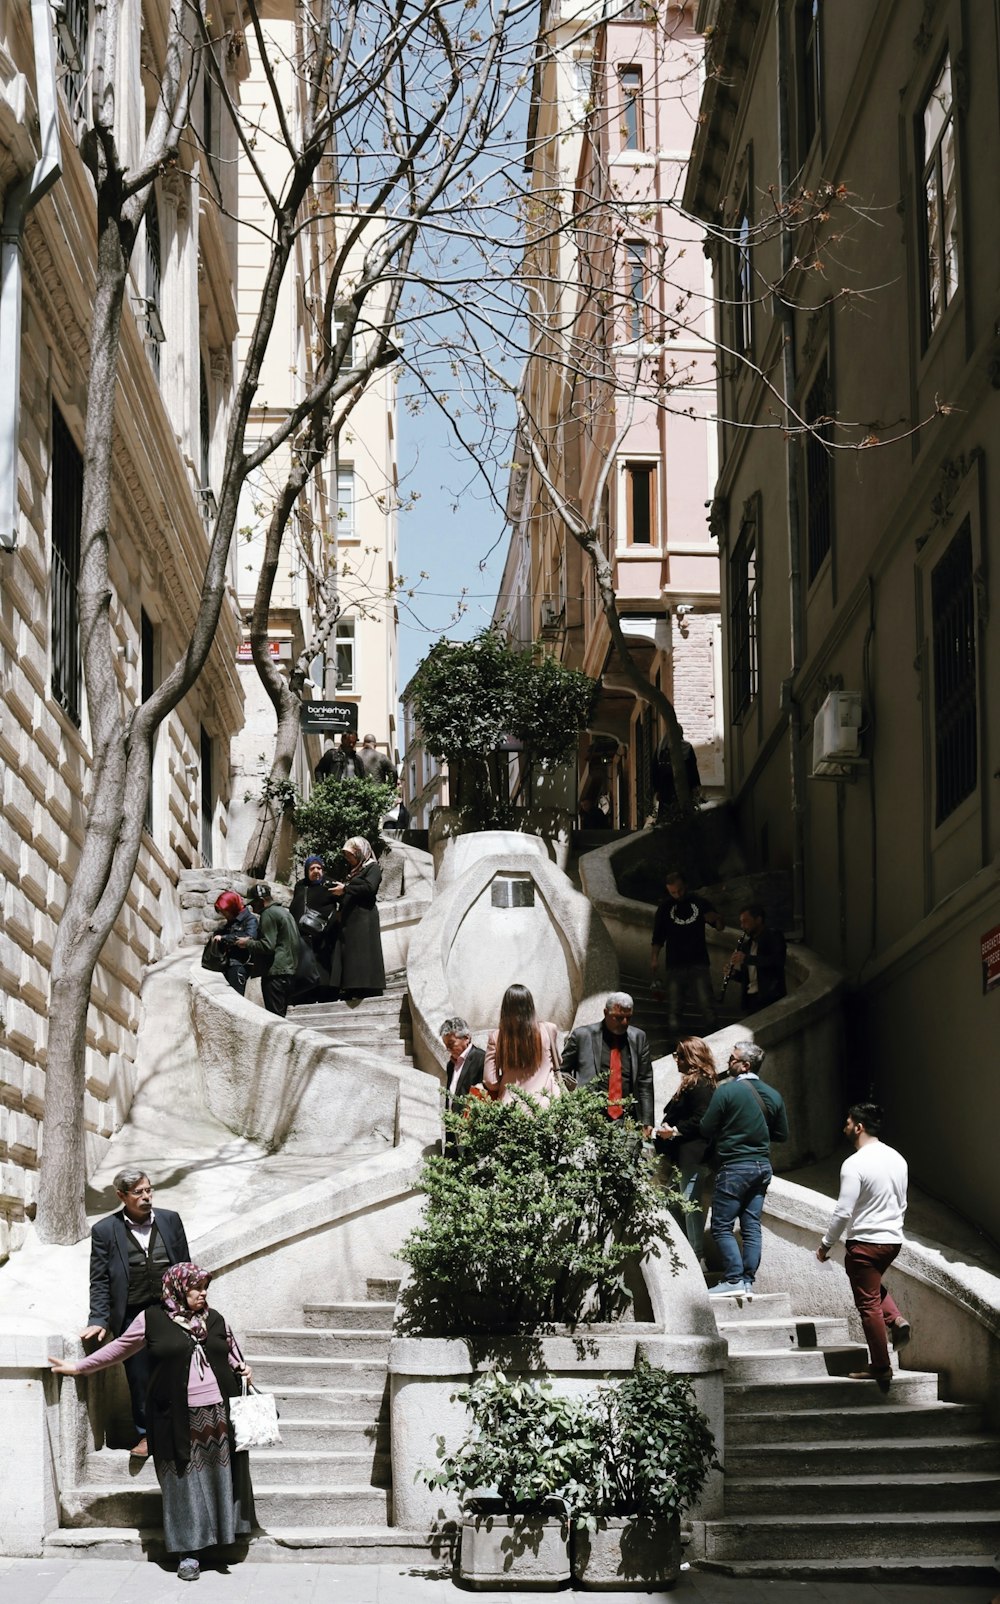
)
(740, 1123)
(277, 941)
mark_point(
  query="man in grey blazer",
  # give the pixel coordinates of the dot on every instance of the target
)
(129, 1251)
(595, 1052)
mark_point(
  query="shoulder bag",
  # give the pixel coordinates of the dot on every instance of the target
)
(254, 1417)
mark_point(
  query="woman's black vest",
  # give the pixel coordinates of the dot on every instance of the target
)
(170, 1348)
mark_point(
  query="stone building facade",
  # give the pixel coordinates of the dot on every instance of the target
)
(860, 544)
(174, 396)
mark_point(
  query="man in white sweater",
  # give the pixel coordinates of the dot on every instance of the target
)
(870, 1211)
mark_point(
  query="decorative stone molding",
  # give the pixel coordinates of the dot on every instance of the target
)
(220, 366)
(175, 186)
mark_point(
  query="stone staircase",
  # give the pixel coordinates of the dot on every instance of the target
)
(378, 1024)
(324, 1493)
(827, 1477)
(650, 1014)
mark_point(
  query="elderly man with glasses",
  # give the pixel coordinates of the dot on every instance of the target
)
(615, 1054)
(129, 1252)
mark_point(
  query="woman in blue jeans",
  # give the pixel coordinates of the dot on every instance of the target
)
(679, 1137)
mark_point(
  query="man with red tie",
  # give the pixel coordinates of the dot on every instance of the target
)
(615, 1054)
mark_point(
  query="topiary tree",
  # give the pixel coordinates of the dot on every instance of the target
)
(338, 809)
(469, 697)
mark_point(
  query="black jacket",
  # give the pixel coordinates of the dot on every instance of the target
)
(472, 1075)
(582, 1058)
(168, 1420)
(769, 963)
(684, 1113)
(358, 964)
(109, 1264)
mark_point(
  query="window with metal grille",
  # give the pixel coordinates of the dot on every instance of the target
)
(154, 276)
(147, 673)
(743, 282)
(819, 509)
(810, 71)
(72, 39)
(955, 711)
(635, 275)
(630, 79)
(743, 619)
(204, 429)
(939, 203)
(67, 521)
(207, 798)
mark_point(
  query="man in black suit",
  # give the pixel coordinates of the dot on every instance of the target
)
(129, 1251)
(760, 968)
(465, 1060)
(616, 1054)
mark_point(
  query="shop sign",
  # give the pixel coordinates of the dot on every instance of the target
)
(328, 718)
(989, 951)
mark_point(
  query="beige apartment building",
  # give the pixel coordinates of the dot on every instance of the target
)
(175, 387)
(860, 554)
(613, 375)
(346, 520)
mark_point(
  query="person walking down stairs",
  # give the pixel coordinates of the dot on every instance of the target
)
(742, 1120)
(870, 1210)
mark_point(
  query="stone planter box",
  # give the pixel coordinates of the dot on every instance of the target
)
(514, 1551)
(628, 1553)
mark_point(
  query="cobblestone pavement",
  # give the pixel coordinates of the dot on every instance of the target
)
(57, 1581)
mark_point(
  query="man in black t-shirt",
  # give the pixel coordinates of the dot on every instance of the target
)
(679, 929)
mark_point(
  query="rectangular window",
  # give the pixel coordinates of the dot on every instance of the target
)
(939, 209)
(147, 685)
(204, 430)
(207, 799)
(67, 523)
(742, 296)
(210, 119)
(819, 520)
(635, 277)
(956, 716)
(743, 619)
(640, 491)
(810, 71)
(345, 504)
(154, 279)
(72, 38)
(630, 79)
(342, 315)
(344, 655)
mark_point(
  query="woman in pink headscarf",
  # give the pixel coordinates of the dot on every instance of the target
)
(196, 1368)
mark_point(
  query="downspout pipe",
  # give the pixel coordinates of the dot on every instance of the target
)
(790, 703)
(21, 197)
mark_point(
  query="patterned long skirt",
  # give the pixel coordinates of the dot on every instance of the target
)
(209, 1501)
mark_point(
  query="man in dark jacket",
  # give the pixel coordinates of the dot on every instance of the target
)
(741, 1121)
(277, 945)
(760, 969)
(679, 929)
(375, 764)
(614, 1054)
(129, 1251)
(340, 762)
(465, 1059)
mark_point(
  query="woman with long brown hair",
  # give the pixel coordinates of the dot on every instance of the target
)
(522, 1054)
(679, 1135)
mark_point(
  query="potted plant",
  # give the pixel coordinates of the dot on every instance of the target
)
(652, 1451)
(518, 1472)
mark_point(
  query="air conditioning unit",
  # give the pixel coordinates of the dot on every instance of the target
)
(837, 736)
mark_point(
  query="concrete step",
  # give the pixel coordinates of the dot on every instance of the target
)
(889, 1455)
(339, 1545)
(365, 1316)
(285, 1466)
(777, 1397)
(290, 1464)
(337, 1436)
(362, 1406)
(918, 1420)
(272, 1374)
(893, 1494)
(311, 1342)
(936, 1571)
(794, 1363)
(736, 1308)
(749, 1336)
(876, 1537)
(307, 1504)
(380, 1291)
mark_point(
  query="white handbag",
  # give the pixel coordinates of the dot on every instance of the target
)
(255, 1418)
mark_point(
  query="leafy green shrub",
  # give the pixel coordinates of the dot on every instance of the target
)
(532, 1217)
(338, 809)
(638, 1446)
(525, 1446)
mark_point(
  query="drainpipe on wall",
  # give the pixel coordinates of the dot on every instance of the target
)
(789, 701)
(21, 197)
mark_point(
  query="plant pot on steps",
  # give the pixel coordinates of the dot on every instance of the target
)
(514, 1551)
(628, 1552)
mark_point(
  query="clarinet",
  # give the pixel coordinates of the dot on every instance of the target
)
(743, 945)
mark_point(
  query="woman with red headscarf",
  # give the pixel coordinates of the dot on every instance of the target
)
(196, 1369)
(240, 921)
